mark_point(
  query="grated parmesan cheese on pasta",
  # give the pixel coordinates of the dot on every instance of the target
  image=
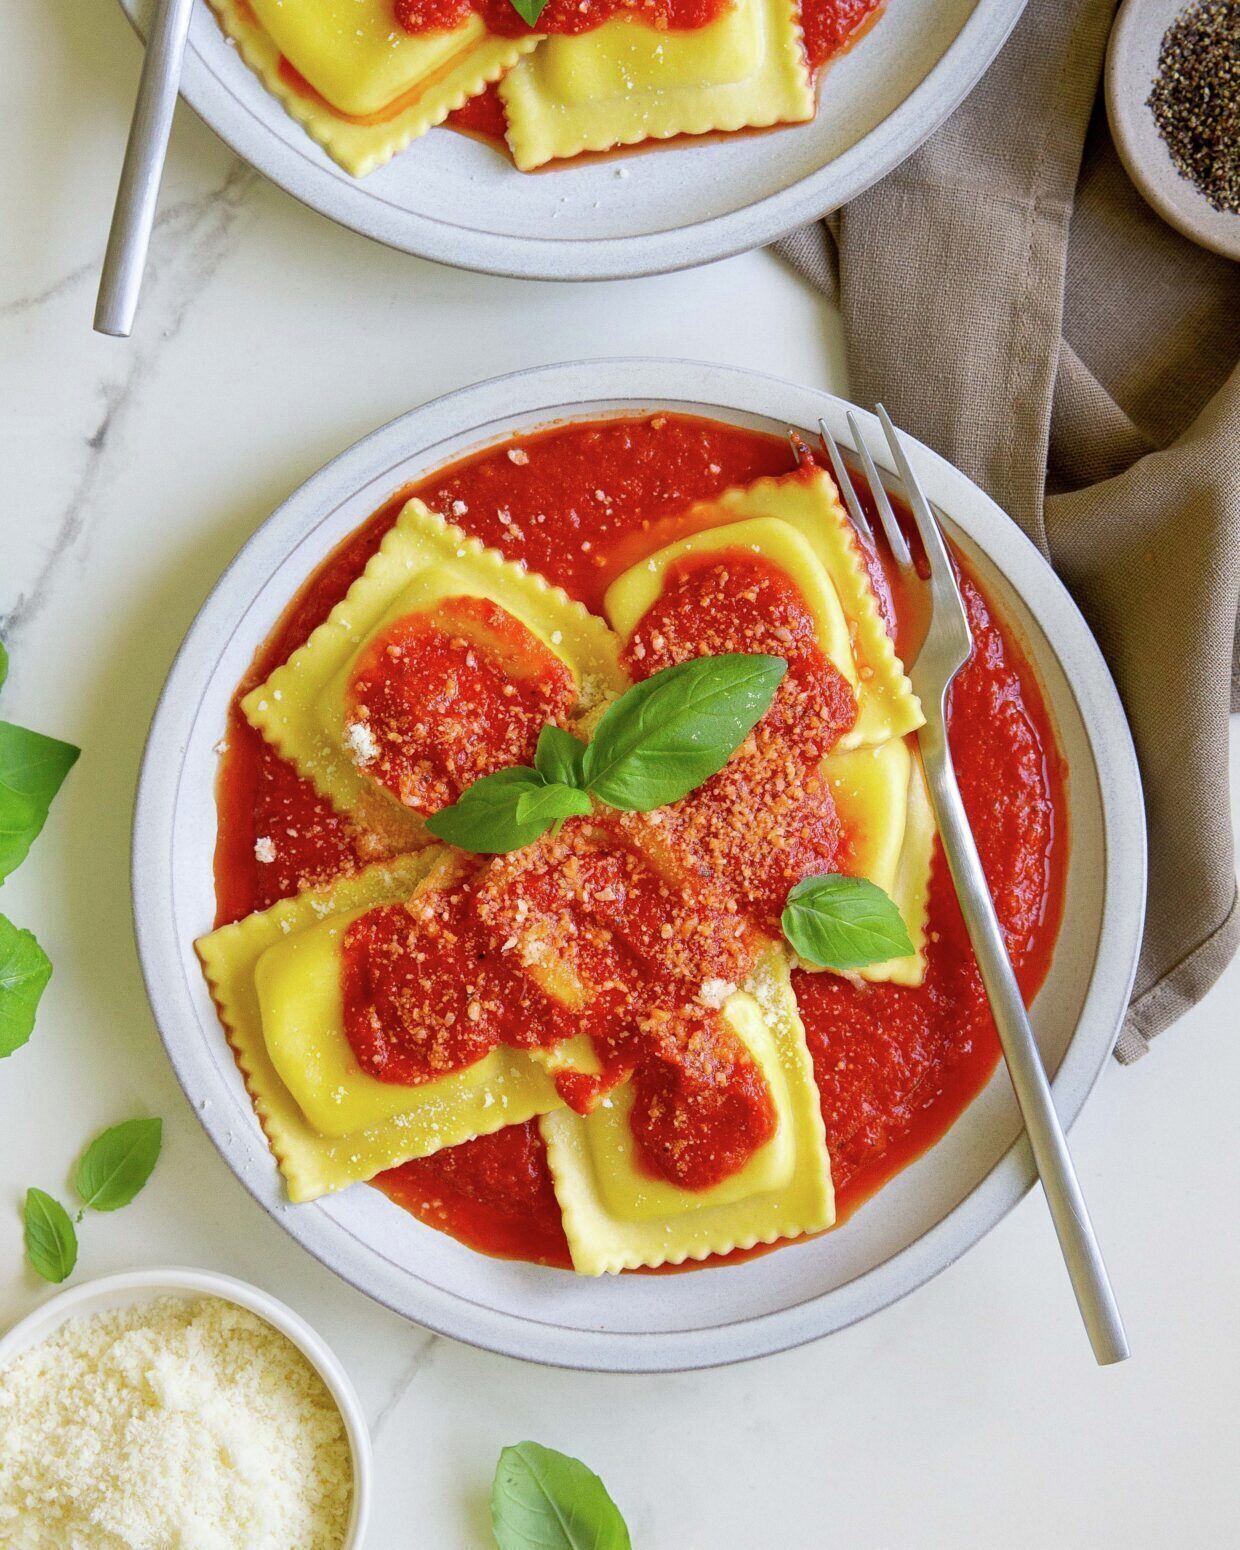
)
(178, 1424)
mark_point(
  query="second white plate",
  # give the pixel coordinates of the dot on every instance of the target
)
(453, 199)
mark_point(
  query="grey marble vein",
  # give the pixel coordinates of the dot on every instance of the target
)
(195, 239)
(177, 216)
(404, 1382)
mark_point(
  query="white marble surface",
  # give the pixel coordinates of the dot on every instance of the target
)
(968, 1415)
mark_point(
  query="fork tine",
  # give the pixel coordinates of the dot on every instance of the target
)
(927, 527)
(845, 484)
(895, 538)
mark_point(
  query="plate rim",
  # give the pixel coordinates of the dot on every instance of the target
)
(292, 168)
(554, 391)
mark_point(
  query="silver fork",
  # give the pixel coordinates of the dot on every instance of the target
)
(942, 654)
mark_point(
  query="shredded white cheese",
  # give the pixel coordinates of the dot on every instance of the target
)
(363, 745)
(178, 1424)
(265, 849)
(715, 992)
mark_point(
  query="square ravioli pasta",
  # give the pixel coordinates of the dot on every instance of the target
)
(441, 664)
(797, 523)
(358, 84)
(625, 82)
(617, 1216)
(276, 979)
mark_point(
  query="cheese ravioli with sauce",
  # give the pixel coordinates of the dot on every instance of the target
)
(617, 1216)
(625, 81)
(276, 980)
(362, 87)
(430, 591)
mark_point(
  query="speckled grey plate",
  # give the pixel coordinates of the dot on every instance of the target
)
(453, 199)
(926, 1216)
(1132, 65)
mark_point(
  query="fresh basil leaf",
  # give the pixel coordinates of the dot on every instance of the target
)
(550, 802)
(665, 736)
(32, 768)
(4, 663)
(51, 1243)
(559, 756)
(24, 972)
(529, 10)
(544, 1500)
(116, 1164)
(484, 820)
(844, 923)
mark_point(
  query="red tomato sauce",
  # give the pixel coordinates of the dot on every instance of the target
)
(790, 830)
(895, 1066)
(439, 700)
(557, 16)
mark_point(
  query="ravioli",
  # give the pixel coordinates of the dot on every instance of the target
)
(422, 565)
(632, 594)
(373, 88)
(275, 978)
(624, 82)
(618, 1217)
(880, 794)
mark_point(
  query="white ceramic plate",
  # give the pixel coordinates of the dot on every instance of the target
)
(453, 199)
(918, 1223)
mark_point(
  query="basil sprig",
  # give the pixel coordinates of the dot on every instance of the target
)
(529, 10)
(660, 740)
(843, 923)
(677, 728)
(51, 1243)
(32, 768)
(116, 1164)
(544, 1500)
(24, 972)
(111, 1171)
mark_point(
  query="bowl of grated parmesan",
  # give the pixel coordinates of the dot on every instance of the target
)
(177, 1407)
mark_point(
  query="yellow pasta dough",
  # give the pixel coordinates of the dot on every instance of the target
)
(625, 81)
(422, 561)
(617, 1217)
(884, 807)
(631, 594)
(797, 523)
(376, 88)
(275, 978)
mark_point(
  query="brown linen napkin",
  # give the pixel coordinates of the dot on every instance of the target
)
(1016, 305)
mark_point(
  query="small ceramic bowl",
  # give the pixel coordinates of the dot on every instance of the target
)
(139, 1286)
(1132, 65)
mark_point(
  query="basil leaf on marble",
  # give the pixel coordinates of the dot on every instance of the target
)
(24, 972)
(51, 1243)
(484, 818)
(843, 923)
(544, 1500)
(32, 768)
(666, 735)
(116, 1164)
(559, 756)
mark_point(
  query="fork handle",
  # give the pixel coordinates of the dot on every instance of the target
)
(134, 212)
(1080, 1249)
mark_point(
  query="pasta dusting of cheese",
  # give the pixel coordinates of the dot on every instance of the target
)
(184, 1422)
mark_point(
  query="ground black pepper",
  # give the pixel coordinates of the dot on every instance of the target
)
(1196, 98)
